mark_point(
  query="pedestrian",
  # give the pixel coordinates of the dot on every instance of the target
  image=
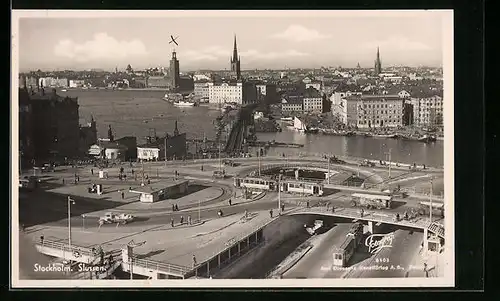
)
(426, 270)
(194, 261)
(132, 170)
(189, 219)
(173, 207)
(246, 213)
(41, 239)
(63, 181)
(182, 220)
(176, 207)
(271, 213)
(230, 203)
(123, 195)
(78, 178)
(149, 181)
(282, 207)
(92, 171)
(172, 222)
(202, 168)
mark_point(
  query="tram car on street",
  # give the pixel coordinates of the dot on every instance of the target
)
(371, 201)
(287, 186)
(343, 253)
(302, 187)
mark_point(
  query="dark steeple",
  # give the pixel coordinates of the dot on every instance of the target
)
(110, 134)
(176, 130)
(235, 49)
(378, 63)
(235, 61)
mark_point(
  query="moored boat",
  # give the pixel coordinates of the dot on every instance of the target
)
(184, 104)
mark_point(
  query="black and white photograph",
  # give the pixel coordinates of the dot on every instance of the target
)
(232, 148)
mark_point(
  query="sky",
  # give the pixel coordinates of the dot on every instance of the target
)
(272, 40)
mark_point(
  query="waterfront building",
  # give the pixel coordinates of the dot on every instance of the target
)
(292, 103)
(88, 135)
(235, 62)
(157, 82)
(154, 148)
(53, 82)
(53, 124)
(373, 111)
(201, 89)
(225, 92)
(428, 109)
(313, 101)
(76, 83)
(378, 63)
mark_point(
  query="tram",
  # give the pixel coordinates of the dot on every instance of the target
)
(345, 251)
(287, 186)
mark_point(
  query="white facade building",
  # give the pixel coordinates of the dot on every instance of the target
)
(201, 90)
(428, 111)
(373, 111)
(225, 93)
(148, 153)
(76, 83)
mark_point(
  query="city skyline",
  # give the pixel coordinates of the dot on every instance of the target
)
(410, 38)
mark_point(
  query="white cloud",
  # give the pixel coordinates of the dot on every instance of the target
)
(298, 33)
(211, 53)
(397, 43)
(101, 47)
(255, 54)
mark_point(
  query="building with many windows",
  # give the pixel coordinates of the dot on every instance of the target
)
(313, 101)
(292, 103)
(225, 92)
(373, 111)
(201, 90)
(428, 110)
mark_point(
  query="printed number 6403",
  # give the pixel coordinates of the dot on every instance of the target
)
(382, 260)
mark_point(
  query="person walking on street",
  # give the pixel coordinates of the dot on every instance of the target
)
(271, 213)
(189, 219)
(92, 171)
(172, 222)
(63, 181)
(176, 207)
(230, 202)
(182, 220)
(123, 195)
(41, 239)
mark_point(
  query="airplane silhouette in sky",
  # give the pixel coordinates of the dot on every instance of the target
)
(173, 40)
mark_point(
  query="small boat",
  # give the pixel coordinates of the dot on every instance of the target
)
(184, 104)
(427, 138)
(384, 136)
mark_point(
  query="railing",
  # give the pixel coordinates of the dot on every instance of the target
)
(375, 216)
(236, 239)
(168, 268)
(66, 248)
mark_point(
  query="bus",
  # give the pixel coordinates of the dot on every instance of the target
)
(371, 201)
(437, 208)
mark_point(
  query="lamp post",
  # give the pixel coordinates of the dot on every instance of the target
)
(70, 202)
(83, 221)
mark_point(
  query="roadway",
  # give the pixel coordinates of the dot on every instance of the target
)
(52, 208)
(317, 262)
(394, 260)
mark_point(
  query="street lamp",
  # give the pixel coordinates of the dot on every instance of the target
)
(83, 221)
(70, 202)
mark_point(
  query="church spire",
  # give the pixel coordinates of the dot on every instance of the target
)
(176, 130)
(235, 50)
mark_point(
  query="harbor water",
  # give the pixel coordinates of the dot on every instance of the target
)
(136, 113)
